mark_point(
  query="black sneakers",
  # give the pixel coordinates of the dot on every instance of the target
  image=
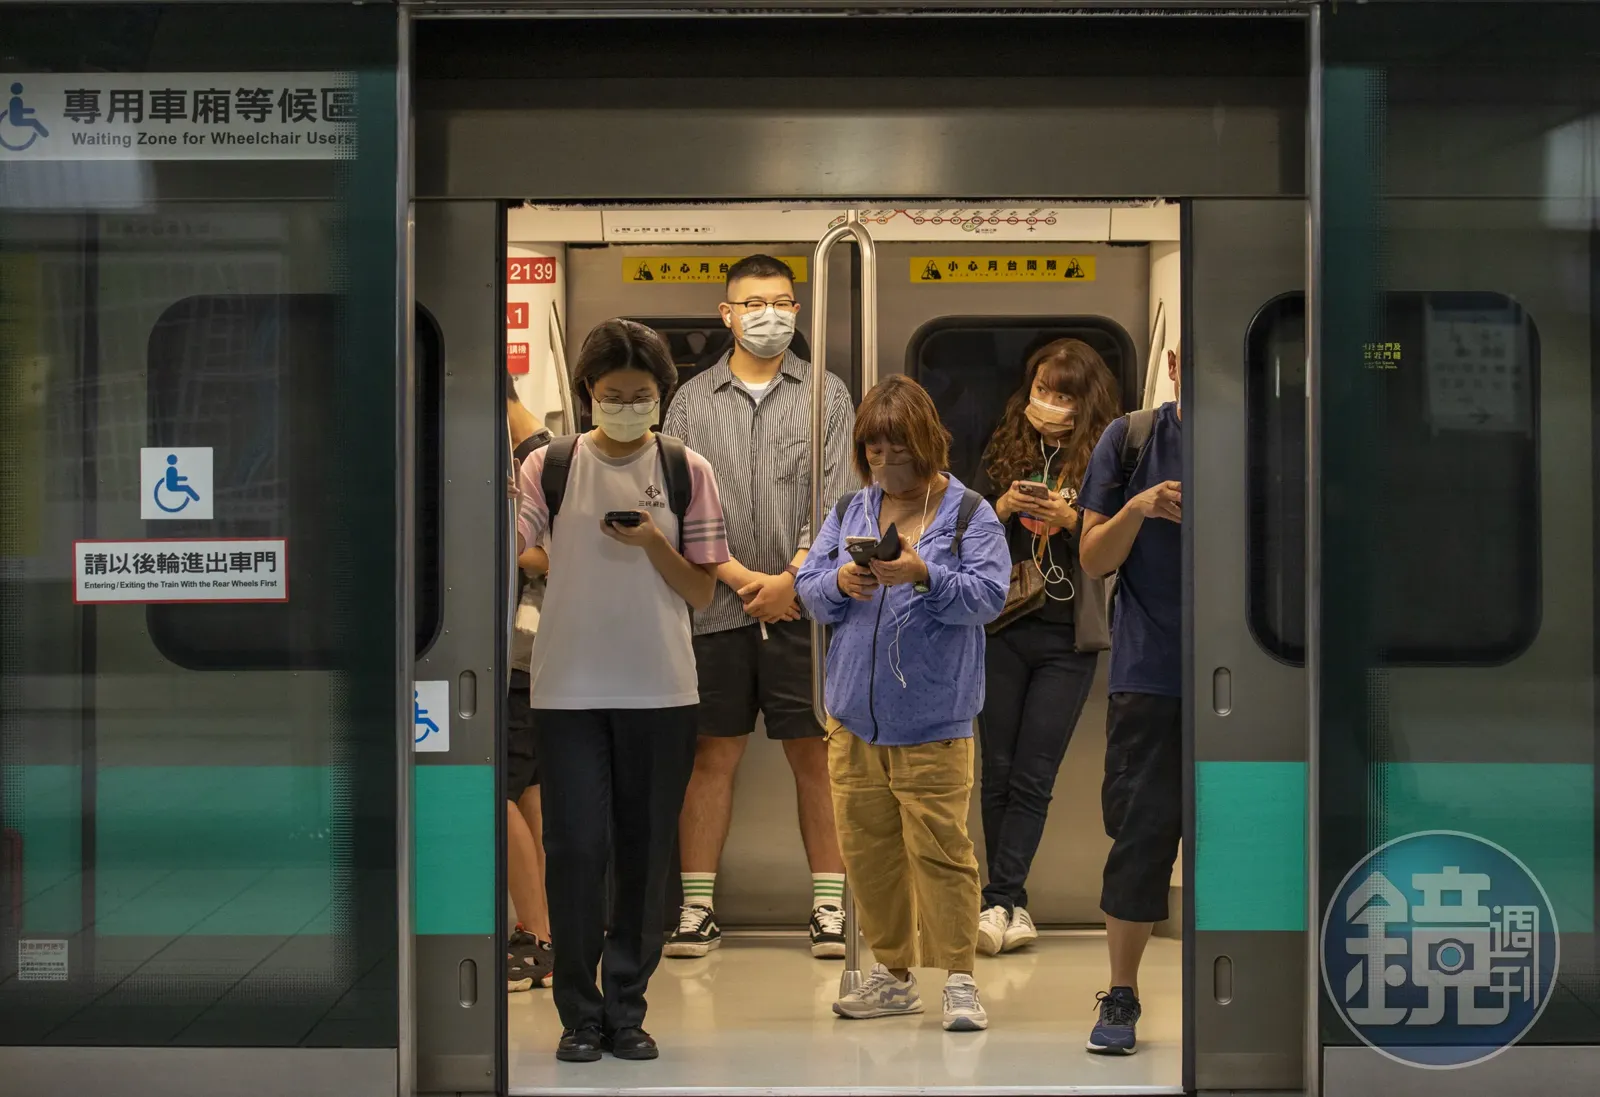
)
(696, 935)
(529, 962)
(827, 933)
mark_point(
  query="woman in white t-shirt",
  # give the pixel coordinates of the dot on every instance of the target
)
(614, 688)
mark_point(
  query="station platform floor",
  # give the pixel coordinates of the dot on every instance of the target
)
(754, 1017)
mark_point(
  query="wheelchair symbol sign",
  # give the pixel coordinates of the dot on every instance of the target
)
(430, 717)
(175, 483)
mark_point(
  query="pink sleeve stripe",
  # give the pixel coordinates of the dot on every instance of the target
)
(705, 537)
(533, 516)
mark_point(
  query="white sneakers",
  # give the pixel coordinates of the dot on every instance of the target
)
(963, 1011)
(998, 933)
(1021, 932)
(882, 995)
(992, 926)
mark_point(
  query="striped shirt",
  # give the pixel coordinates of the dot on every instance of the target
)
(760, 448)
(612, 633)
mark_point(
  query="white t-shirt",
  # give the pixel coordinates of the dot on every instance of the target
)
(612, 633)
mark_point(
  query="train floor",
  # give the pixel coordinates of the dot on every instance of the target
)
(754, 1017)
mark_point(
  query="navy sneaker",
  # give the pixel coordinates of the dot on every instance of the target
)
(1119, 1013)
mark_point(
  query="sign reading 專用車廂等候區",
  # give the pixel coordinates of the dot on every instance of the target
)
(177, 116)
(224, 569)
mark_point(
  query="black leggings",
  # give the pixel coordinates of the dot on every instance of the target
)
(613, 787)
(1036, 689)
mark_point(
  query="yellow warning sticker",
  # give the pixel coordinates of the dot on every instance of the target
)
(1002, 268)
(674, 270)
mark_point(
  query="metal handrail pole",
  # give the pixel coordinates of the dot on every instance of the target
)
(851, 978)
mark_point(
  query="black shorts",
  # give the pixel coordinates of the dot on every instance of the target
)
(1142, 804)
(742, 674)
(522, 757)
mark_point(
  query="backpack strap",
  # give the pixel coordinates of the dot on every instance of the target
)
(1135, 440)
(557, 467)
(969, 506)
(839, 510)
(537, 440)
(679, 483)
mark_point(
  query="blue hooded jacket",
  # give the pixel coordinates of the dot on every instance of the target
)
(935, 639)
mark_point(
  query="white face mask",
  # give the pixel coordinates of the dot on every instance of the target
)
(626, 425)
(768, 333)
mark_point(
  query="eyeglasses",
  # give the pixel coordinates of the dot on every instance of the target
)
(756, 304)
(642, 406)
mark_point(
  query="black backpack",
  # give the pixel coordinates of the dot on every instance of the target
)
(674, 464)
(969, 506)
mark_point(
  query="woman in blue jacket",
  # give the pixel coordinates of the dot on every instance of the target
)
(905, 681)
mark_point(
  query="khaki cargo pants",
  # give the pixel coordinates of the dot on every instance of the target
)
(902, 819)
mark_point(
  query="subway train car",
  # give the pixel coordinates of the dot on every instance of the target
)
(256, 843)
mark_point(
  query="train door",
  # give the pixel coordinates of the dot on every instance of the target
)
(1243, 556)
(461, 672)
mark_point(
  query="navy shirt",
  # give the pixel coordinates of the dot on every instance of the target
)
(1147, 625)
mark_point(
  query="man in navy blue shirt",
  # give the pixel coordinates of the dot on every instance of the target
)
(1133, 529)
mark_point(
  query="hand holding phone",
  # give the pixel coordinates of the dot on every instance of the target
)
(1031, 488)
(861, 549)
(625, 518)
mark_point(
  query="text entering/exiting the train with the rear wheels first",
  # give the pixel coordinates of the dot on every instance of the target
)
(184, 570)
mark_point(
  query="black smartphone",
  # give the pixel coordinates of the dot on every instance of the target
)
(628, 518)
(861, 549)
(889, 544)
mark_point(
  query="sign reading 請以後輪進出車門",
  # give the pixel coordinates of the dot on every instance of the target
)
(226, 569)
(177, 116)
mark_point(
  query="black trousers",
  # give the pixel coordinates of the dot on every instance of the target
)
(613, 783)
(1035, 692)
(1141, 801)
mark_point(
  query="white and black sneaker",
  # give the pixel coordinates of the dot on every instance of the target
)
(696, 935)
(827, 933)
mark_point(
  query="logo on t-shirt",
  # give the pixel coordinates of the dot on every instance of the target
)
(652, 497)
(652, 492)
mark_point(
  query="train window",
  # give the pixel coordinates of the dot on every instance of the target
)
(1455, 513)
(430, 480)
(972, 364)
(253, 377)
(698, 342)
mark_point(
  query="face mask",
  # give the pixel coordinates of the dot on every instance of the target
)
(1049, 419)
(897, 477)
(626, 425)
(768, 333)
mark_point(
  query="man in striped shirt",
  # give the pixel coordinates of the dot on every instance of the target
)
(750, 417)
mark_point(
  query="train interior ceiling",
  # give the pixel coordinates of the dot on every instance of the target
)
(964, 295)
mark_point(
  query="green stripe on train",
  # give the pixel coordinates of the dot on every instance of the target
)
(236, 850)
(1250, 832)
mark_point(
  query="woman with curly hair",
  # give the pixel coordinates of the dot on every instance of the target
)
(1042, 650)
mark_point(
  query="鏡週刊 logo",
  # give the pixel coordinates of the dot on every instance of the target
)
(1440, 949)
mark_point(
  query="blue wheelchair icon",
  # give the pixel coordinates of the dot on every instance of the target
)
(425, 726)
(19, 116)
(175, 485)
